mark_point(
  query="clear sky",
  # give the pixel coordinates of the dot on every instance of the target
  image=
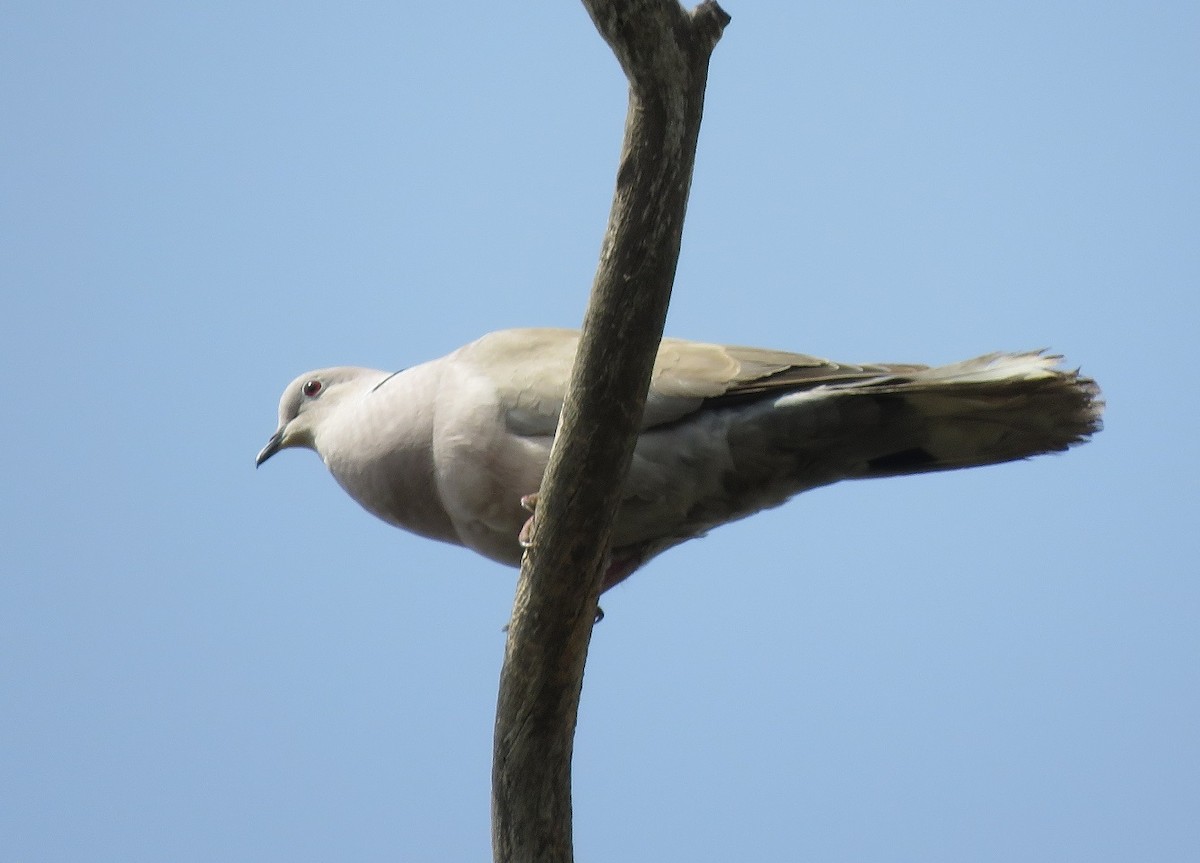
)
(202, 662)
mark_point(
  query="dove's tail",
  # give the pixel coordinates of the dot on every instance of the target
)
(992, 409)
(888, 421)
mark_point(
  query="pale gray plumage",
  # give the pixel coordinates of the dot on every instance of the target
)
(447, 449)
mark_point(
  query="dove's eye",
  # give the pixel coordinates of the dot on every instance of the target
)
(311, 388)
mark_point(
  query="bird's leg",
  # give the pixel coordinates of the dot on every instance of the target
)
(525, 538)
(529, 504)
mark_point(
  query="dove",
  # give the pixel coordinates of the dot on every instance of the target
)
(454, 449)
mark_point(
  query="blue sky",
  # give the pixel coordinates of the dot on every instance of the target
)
(204, 662)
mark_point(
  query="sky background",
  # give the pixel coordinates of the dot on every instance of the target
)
(200, 661)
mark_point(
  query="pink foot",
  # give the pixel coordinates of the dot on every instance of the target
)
(529, 504)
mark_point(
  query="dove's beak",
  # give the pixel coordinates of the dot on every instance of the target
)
(273, 446)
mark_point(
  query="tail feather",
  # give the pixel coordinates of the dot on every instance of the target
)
(992, 409)
(748, 453)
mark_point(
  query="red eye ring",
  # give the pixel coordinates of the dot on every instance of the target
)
(311, 388)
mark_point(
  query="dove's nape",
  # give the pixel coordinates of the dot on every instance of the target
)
(449, 449)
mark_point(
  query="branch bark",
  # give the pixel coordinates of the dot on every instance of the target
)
(664, 51)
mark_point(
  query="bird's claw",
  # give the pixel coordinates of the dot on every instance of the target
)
(525, 537)
(529, 504)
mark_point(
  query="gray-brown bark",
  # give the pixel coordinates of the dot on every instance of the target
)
(664, 51)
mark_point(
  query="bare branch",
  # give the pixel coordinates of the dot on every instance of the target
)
(664, 51)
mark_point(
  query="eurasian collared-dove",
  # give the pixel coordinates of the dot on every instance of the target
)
(449, 449)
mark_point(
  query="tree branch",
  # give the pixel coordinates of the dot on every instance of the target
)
(664, 51)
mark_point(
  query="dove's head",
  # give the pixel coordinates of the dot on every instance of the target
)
(307, 401)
